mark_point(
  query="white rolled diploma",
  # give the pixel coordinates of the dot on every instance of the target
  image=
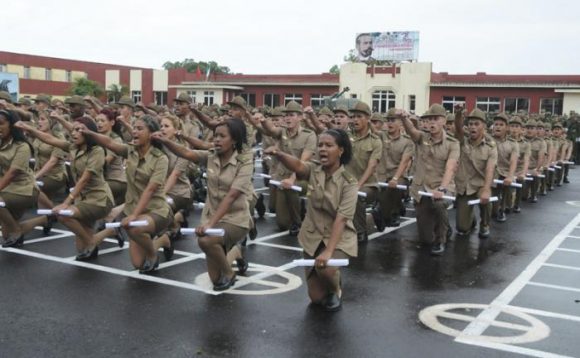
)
(386, 185)
(2, 204)
(362, 193)
(539, 175)
(278, 184)
(199, 205)
(49, 212)
(169, 200)
(478, 201)
(557, 167)
(568, 163)
(515, 185)
(528, 179)
(331, 262)
(136, 223)
(262, 175)
(208, 232)
(551, 169)
(447, 197)
(39, 183)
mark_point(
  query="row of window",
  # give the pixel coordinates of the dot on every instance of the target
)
(511, 105)
(47, 73)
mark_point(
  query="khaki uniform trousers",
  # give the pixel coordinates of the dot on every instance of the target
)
(505, 195)
(360, 215)
(465, 214)
(432, 220)
(288, 206)
(391, 201)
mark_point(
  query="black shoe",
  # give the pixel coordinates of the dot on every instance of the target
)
(403, 211)
(253, 233)
(184, 215)
(242, 266)
(121, 236)
(294, 230)
(362, 237)
(50, 221)
(378, 219)
(224, 283)
(544, 193)
(484, 233)
(517, 209)
(169, 251)
(501, 217)
(507, 210)
(394, 222)
(449, 233)
(88, 255)
(462, 233)
(566, 181)
(332, 303)
(14, 241)
(260, 207)
(437, 249)
(534, 199)
(149, 266)
(551, 188)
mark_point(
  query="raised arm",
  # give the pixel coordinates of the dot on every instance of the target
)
(270, 129)
(45, 137)
(177, 149)
(289, 161)
(317, 126)
(205, 119)
(107, 142)
(410, 129)
(459, 122)
(68, 126)
(196, 143)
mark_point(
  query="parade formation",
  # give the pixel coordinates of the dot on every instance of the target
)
(133, 172)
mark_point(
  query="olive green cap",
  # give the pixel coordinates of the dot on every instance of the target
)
(392, 113)
(140, 106)
(517, 120)
(540, 124)
(24, 101)
(238, 101)
(362, 107)
(225, 108)
(450, 118)
(531, 123)
(42, 98)
(277, 112)
(183, 97)
(293, 106)
(557, 125)
(6, 96)
(75, 100)
(342, 109)
(325, 111)
(377, 117)
(126, 101)
(477, 114)
(436, 110)
(547, 126)
(502, 117)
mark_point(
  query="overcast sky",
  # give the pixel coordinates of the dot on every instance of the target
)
(299, 36)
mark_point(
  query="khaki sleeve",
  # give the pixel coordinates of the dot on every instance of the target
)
(21, 157)
(181, 165)
(310, 144)
(516, 149)
(377, 152)
(96, 161)
(160, 169)
(348, 199)
(202, 155)
(409, 148)
(453, 151)
(243, 177)
(493, 155)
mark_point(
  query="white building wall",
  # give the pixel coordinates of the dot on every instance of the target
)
(571, 103)
(112, 77)
(135, 80)
(160, 80)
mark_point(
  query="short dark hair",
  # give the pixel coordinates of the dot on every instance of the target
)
(361, 35)
(92, 126)
(237, 129)
(12, 117)
(343, 141)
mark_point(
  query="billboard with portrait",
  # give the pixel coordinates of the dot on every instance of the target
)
(9, 83)
(387, 46)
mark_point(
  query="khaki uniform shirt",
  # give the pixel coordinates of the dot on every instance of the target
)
(234, 174)
(557, 144)
(96, 192)
(127, 136)
(432, 159)
(393, 151)
(182, 187)
(42, 154)
(537, 146)
(364, 149)
(152, 168)
(473, 162)
(525, 151)
(295, 145)
(271, 161)
(505, 149)
(191, 127)
(16, 155)
(327, 198)
(115, 170)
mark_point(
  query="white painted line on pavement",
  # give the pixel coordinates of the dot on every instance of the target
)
(576, 268)
(283, 247)
(509, 348)
(568, 250)
(557, 287)
(536, 312)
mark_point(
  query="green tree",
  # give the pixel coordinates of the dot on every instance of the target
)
(115, 92)
(334, 70)
(191, 65)
(83, 87)
(351, 57)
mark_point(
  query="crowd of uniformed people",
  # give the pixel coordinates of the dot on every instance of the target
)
(87, 164)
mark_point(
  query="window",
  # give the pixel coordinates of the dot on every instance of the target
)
(353, 96)
(161, 98)
(383, 100)
(514, 105)
(27, 72)
(272, 100)
(316, 100)
(68, 76)
(449, 102)
(3, 67)
(297, 97)
(412, 102)
(488, 104)
(552, 105)
(48, 74)
(250, 98)
(208, 98)
(192, 95)
(136, 95)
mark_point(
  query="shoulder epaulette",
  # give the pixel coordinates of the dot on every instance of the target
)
(306, 130)
(451, 138)
(348, 177)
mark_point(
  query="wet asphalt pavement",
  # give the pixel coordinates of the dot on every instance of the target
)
(56, 307)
